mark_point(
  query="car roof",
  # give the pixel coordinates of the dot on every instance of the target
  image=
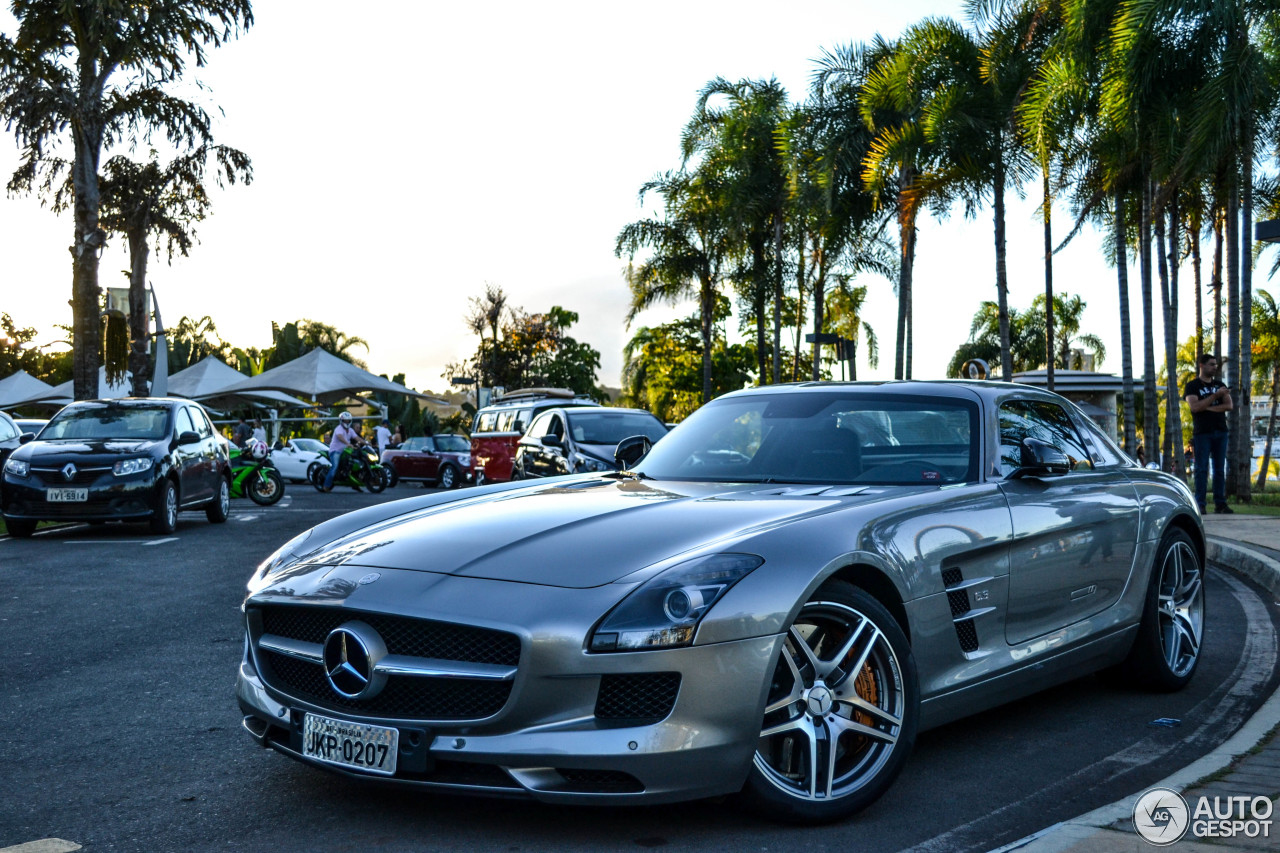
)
(968, 389)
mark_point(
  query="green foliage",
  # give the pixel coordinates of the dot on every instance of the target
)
(663, 368)
(1026, 336)
(19, 352)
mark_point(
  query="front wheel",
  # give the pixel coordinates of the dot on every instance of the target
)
(165, 517)
(316, 474)
(20, 528)
(218, 511)
(391, 476)
(1167, 649)
(842, 709)
(266, 487)
(448, 477)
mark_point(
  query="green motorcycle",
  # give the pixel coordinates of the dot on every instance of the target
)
(255, 476)
(358, 467)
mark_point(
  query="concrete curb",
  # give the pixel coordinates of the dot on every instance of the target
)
(1090, 831)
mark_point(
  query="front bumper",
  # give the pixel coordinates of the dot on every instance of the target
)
(110, 498)
(550, 740)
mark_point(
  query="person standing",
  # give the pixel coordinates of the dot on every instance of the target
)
(259, 431)
(1209, 401)
(344, 436)
(382, 437)
(242, 433)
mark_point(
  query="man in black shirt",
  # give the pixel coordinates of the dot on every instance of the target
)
(1209, 401)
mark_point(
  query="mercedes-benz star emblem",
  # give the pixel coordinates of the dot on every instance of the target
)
(351, 655)
(69, 471)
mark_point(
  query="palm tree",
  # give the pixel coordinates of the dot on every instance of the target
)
(139, 200)
(741, 137)
(688, 247)
(844, 317)
(1266, 352)
(95, 72)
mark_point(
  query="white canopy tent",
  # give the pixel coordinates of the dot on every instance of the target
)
(322, 377)
(19, 387)
(65, 393)
(208, 380)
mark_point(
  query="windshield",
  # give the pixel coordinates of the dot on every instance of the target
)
(602, 427)
(131, 423)
(834, 437)
(452, 444)
(310, 445)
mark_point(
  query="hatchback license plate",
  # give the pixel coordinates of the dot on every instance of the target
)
(55, 496)
(357, 745)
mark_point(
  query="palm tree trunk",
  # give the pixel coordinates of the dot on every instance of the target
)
(1048, 280)
(1151, 417)
(910, 299)
(777, 299)
(904, 272)
(1245, 403)
(1234, 319)
(708, 306)
(1126, 333)
(1218, 216)
(1194, 235)
(1002, 274)
(1271, 426)
(1169, 311)
(86, 315)
(138, 331)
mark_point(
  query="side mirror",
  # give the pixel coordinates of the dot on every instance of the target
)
(25, 437)
(1042, 459)
(552, 441)
(518, 426)
(189, 437)
(631, 450)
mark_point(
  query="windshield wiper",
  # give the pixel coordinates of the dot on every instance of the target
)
(626, 475)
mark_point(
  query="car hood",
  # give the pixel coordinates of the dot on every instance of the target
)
(580, 534)
(81, 452)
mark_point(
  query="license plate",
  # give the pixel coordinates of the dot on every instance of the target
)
(362, 747)
(66, 495)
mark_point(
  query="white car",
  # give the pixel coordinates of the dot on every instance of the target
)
(297, 454)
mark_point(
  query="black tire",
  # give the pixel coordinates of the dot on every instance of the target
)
(392, 476)
(164, 518)
(218, 511)
(448, 477)
(316, 474)
(1170, 639)
(806, 710)
(20, 528)
(266, 487)
(375, 480)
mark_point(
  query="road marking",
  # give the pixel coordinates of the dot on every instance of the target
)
(44, 845)
(161, 541)
(253, 517)
(285, 501)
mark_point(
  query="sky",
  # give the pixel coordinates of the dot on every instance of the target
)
(407, 156)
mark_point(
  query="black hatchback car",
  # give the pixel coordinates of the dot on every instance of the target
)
(580, 440)
(118, 460)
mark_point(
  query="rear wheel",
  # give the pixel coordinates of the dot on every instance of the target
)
(1167, 649)
(218, 511)
(375, 479)
(841, 714)
(165, 517)
(20, 528)
(266, 487)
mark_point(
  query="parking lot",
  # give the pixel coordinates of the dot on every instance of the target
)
(119, 729)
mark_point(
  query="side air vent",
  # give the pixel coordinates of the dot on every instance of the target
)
(958, 599)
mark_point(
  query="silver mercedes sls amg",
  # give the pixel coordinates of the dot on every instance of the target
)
(774, 599)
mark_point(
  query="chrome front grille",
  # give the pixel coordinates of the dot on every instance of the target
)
(289, 640)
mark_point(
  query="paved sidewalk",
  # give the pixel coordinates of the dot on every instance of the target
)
(1247, 765)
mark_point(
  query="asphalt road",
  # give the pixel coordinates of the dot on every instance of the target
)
(119, 729)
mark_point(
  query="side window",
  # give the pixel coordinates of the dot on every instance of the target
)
(428, 445)
(201, 421)
(7, 429)
(504, 421)
(557, 427)
(484, 422)
(1104, 451)
(183, 422)
(523, 416)
(1047, 422)
(540, 426)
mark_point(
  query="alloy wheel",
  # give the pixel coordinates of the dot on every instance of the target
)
(835, 708)
(1180, 608)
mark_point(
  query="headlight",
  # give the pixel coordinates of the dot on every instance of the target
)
(132, 466)
(665, 611)
(582, 462)
(464, 461)
(17, 468)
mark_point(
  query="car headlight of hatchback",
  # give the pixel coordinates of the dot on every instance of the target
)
(132, 466)
(584, 463)
(664, 612)
(16, 467)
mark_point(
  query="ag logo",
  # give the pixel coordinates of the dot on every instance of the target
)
(1161, 816)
